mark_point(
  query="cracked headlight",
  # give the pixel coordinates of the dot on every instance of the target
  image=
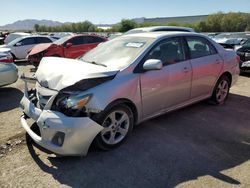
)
(72, 104)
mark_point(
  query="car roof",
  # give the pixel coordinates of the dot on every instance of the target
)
(30, 36)
(160, 34)
(153, 28)
(20, 33)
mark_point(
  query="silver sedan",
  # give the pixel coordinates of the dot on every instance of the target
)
(8, 70)
(121, 83)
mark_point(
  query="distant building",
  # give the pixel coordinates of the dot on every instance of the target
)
(166, 20)
(104, 26)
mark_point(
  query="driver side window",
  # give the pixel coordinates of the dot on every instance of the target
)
(169, 51)
(27, 41)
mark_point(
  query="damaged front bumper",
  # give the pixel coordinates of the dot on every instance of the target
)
(60, 134)
(245, 66)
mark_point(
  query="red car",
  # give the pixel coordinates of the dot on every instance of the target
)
(69, 47)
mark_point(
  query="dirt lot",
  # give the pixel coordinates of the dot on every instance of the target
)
(199, 146)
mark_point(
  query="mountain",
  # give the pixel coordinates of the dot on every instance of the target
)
(28, 24)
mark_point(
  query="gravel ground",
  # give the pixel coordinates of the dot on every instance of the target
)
(198, 146)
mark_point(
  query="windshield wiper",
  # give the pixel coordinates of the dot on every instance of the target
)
(93, 62)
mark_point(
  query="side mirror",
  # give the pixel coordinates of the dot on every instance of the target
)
(242, 41)
(68, 45)
(153, 64)
(18, 44)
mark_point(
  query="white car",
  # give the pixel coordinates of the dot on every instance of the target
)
(8, 70)
(19, 47)
(13, 36)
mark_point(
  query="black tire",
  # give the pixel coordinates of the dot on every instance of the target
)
(220, 98)
(103, 118)
(14, 57)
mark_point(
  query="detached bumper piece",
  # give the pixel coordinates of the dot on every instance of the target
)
(60, 134)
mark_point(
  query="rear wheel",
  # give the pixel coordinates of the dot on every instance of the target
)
(221, 90)
(117, 124)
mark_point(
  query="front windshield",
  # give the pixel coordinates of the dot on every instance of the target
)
(62, 40)
(117, 53)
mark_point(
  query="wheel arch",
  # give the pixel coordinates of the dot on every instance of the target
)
(127, 102)
(227, 74)
(13, 55)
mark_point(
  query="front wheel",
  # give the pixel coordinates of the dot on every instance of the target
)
(117, 124)
(221, 90)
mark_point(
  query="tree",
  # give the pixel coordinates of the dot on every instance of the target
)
(233, 22)
(36, 27)
(213, 22)
(126, 25)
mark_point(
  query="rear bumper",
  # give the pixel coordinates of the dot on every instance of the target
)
(60, 134)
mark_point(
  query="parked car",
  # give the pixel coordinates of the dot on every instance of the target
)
(244, 54)
(3, 35)
(159, 28)
(69, 47)
(20, 46)
(231, 39)
(13, 36)
(8, 70)
(121, 83)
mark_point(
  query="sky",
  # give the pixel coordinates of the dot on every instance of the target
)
(112, 11)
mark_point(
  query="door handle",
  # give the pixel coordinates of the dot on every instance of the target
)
(186, 70)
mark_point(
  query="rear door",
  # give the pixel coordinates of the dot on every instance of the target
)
(40, 40)
(91, 42)
(206, 64)
(170, 86)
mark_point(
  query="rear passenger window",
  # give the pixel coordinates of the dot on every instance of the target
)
(169, 51)
(42, 40)
(27, 41)
(77, 41)
(89, 40)
(200, 47)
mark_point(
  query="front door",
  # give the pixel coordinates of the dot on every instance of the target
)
(170, 86)
(21, 48)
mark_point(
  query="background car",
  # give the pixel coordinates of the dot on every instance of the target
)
(69, 47)
(231, 39)
(20, 46)
(13, 36)
(244, 53)
(8, 70)
(123, 82)
(159, 28)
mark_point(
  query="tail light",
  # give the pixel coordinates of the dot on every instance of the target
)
(6, 58)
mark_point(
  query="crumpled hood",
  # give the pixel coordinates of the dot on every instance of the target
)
(57, 73)
(39, 48)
